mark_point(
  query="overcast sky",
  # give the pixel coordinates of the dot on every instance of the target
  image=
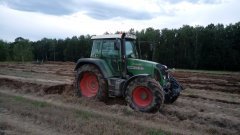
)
(35, 19)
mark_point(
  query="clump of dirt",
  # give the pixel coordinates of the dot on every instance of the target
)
(23, 87)
(6, 129)
(65, 89)
(36, 88)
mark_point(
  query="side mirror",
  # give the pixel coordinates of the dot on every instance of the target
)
(117, 44)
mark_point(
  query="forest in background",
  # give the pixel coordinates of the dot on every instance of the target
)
(214, 47)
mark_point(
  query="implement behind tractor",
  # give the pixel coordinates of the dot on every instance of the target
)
(114, 70)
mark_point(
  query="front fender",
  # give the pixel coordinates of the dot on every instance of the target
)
(131, 79)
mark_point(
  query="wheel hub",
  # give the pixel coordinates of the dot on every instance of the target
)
(89, 84)
(142, 96)
(93, 85)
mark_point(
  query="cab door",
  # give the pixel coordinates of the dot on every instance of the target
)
(111, 55)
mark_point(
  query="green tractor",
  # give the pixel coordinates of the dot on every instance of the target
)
(114, 70)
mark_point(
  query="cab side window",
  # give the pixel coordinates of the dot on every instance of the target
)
(108, 48)
(96, 49)
(130, 50)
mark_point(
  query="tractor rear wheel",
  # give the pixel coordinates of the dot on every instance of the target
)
(145, 95)
(90, 83)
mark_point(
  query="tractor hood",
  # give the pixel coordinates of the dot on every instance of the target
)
(156, 70)
(137, 66)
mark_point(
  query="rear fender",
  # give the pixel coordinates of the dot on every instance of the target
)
(100, 64)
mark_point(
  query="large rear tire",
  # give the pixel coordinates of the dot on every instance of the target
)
(144, 94)
(90, 83)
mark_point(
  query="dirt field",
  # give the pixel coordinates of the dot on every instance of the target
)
(39, 99)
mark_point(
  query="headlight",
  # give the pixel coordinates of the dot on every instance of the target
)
(164, 71)
(165, 67)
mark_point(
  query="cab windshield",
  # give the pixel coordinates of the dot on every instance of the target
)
(131, 51)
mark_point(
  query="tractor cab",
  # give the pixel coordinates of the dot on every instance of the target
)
(111, 49)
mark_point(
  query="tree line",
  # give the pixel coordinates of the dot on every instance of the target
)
(69, 49)
(213, 47)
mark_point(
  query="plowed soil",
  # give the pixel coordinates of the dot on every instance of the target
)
(39, 99)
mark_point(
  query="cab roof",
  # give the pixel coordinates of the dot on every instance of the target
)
(111, 36)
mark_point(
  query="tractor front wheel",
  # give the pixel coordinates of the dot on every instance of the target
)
(145, 95)
(90, 83)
